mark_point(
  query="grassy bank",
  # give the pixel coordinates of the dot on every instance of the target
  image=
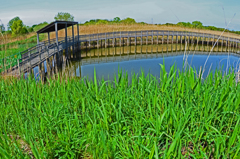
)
(17, 46)
(181, 116)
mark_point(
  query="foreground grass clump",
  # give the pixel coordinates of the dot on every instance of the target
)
(180, 116)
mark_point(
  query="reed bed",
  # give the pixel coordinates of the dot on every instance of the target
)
(177, 116)
(18, 46)
(91, 29)
(7, 38)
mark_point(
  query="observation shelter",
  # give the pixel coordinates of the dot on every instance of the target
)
(55, 27)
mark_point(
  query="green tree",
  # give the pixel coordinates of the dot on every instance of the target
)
(39, 26)
(62, 16)
(102, 22)
(18, 28)
(116, 19)
(2, 28)
(128, 21)
(197, 24)
(10, 23)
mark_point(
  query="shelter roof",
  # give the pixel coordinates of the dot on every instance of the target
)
(60, 25)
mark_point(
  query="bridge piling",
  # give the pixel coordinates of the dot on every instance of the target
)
(177, 39)
(162, 37)
(73, 41)
(105, 40)
(135, 38)
(120, 39)
(128, 39)
(66, 42)
(226, 45)
(152, 37)
(147, 38)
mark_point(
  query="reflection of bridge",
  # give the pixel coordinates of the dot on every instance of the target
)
(51, 51)
(133, 53)
(139, 56)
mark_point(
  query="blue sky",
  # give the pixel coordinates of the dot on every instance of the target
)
(209, 12)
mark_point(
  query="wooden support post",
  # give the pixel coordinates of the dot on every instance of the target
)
(177, 39)
(48, 38)
(141, 38)
(207, 42)
(236, 45)
(97, 41)
(66, 42)
(105, 40)
(19, 69)
(152, 37)
(172, 39)
(230, 45)
(167, 38)
(197, 41)
(135, 38)
(213, 40)
(176, 43)
(48, 67)
(113, 39)
(128, 39)
(226, 44)
(120, 39)
(147, 39)
(157, 37)
(29, 63)
(202, 41)
(162, 37)
(89, 39)
(37, 38)
(79, 44)
(222, 44)
(40, 71)
(56, 29)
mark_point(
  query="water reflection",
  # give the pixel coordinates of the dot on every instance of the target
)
(108, 61)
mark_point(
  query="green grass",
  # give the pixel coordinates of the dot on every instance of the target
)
(19, 46)
(179, 117)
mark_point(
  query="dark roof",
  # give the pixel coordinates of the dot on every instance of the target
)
(60, 25)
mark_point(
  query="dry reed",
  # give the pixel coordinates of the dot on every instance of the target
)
(91, 29)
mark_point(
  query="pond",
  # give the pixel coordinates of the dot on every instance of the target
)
(133, 59)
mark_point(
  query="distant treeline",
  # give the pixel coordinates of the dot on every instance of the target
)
(199, 25)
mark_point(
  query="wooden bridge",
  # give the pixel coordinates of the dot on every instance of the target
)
(52, 51)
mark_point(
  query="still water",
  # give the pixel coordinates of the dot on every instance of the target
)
(134, 59)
